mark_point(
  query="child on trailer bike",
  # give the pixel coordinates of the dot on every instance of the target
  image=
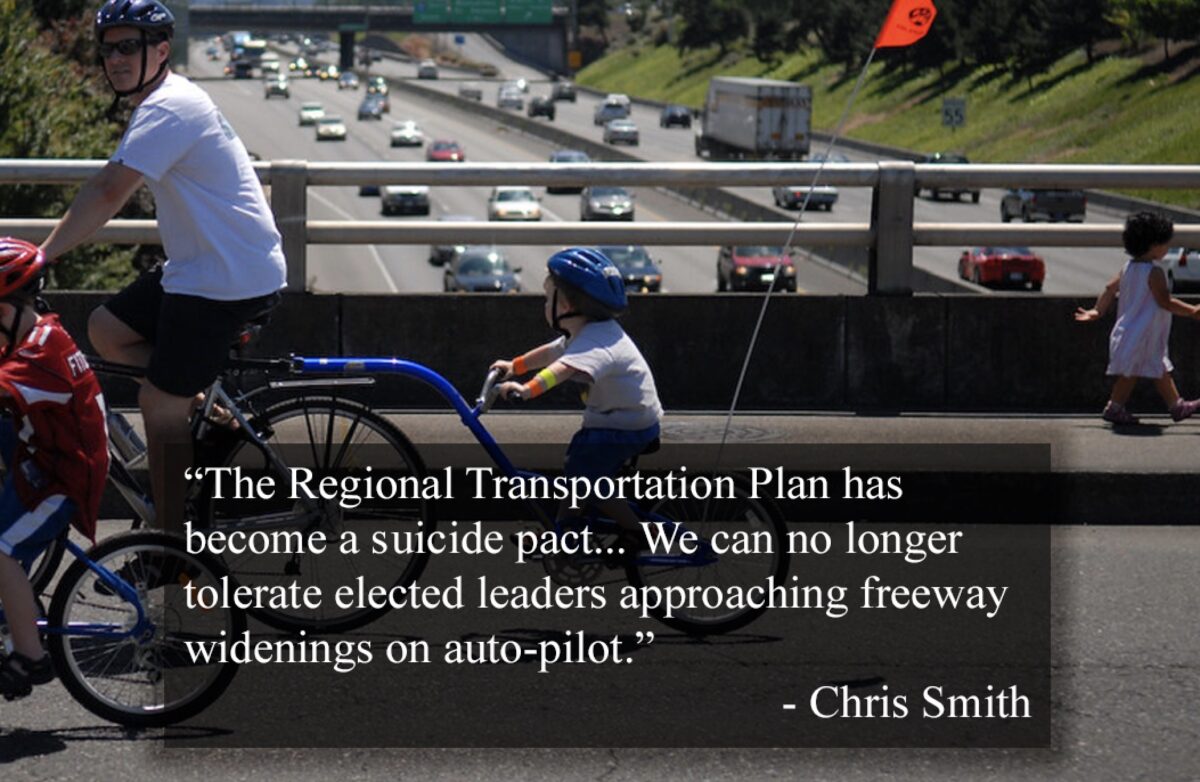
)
(585, 293)
(54, 445)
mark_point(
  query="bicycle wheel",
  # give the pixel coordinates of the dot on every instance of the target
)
(334, 438)
(46, 565)
(151, 680)
(738, 518)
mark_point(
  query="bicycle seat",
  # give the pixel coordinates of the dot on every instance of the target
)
(250, 330)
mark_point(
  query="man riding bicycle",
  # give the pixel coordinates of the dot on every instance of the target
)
(225, 263)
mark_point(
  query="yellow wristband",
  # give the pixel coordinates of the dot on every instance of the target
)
(547, 377)
(518, 366)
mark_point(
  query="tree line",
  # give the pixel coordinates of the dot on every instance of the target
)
(1026, 36)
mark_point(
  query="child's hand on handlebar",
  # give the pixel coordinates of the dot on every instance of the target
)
(505, 367)
(514, 391)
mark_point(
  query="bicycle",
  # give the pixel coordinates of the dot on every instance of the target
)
(328, 432)
(118, 630)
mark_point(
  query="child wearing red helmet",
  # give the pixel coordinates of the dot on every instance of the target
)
(54, 445)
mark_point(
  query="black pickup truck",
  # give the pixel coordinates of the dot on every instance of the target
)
(1051, 205)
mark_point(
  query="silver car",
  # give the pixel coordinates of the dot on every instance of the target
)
(621, 130)
(407, 134)
(510, 98)
(605, 203)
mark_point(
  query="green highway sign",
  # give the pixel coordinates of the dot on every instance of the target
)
(483, 11)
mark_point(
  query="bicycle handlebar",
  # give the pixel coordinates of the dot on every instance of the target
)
(488, 393)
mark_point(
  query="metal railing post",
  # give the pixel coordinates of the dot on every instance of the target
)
(891, 255)
(289, 202)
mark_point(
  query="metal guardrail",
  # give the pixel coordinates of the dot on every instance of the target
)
(891, 234)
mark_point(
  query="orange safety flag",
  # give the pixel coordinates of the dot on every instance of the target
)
(907, 23)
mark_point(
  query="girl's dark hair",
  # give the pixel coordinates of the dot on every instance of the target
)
(1143, 230)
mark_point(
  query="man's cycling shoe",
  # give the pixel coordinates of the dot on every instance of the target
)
(19, 674)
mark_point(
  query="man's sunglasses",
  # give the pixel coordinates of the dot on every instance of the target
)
(125, 48)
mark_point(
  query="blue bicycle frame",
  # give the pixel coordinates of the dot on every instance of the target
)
(470, 417)
(143, 628)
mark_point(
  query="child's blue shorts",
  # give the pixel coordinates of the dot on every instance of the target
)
(600, 453)
(25, 532)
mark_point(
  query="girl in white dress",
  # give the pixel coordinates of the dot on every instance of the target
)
(1137, 347)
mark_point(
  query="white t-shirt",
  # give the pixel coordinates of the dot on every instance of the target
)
(217, 230)
(622, 394)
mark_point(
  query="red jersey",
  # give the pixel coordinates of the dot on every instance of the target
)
(62, 438)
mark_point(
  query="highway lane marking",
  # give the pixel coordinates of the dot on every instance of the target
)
(387, 277)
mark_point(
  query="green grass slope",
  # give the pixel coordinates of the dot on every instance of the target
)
(1117, 110)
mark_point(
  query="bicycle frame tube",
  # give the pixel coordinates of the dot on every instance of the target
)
(141, 628)
(398, 366)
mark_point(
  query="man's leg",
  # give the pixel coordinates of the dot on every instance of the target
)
(168, 443)
(115, 340)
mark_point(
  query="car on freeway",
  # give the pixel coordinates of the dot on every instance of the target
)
(371, 107)
(1052, 205)
(567, 156)
(407, 134)
(470, 91)
(1182, 265)
(213, 53)
(674, 115)
(481, 269)
(269, 63)
(541, 106)
(300, 68)
(331, 129)
(614, 106)
(443, 151)
(639, 271)
(513, 203)
(521, 84)
(819, 196)
(605, 202)
(755, 268)
(276, 84)
(427, 70)
(440, 254)
(622, 130)
(368, 56)
(1017, 267)
(240, 69)
(563, 90)
(510, 98)
(941, 158)
(328, 72)
(377, 84)
(310, 112)
(348, 81)
(404, 199)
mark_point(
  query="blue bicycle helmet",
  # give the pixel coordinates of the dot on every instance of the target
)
(152, 18)
(593, 274)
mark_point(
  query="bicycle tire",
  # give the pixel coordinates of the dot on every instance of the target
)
(740, 513)
(47, 563)
(306, 429)
(107, 676)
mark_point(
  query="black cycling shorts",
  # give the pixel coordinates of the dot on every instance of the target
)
(191, 335)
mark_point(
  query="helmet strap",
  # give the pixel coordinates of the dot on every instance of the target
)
(557, 319)
(141, 85)
(10, 329)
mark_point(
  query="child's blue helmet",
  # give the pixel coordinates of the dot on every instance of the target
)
(592, 273)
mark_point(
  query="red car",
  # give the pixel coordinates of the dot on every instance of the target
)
(752, 268)
(1003, 266)
(445, 152)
